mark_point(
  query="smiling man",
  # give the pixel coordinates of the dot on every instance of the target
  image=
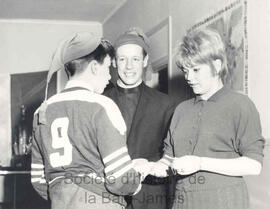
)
(146, 111)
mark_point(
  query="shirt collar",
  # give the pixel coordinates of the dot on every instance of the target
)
(129, 90)
(215, 97)
(122, 86)
(78, 83)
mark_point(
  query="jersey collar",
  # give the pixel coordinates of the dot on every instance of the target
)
(78, 83)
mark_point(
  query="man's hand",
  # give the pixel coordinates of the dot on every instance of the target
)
(187, 164)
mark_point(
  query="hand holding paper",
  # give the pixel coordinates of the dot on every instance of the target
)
(159, 169)
(142, 166)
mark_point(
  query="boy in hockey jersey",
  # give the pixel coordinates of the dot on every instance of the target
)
(79, 153)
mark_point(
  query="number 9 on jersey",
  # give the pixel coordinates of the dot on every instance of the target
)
(59, 131)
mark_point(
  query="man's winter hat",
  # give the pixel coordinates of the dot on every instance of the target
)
(133, 36)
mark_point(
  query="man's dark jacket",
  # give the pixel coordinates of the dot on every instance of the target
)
(150, 122)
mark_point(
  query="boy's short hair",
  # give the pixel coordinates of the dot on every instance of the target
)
(76, 66)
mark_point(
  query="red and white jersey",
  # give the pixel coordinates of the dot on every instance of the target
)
(84, 133)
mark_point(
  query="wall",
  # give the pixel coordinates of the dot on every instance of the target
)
(144, 14)
(186, 13)
(259, 74)
(259, 54)
(28, 45)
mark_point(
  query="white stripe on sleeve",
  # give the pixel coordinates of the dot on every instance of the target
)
(114, 154)
(117, 164)
(37, 173)
(35, 165)
(121, 171)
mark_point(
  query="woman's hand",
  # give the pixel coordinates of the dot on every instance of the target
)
(187, 164)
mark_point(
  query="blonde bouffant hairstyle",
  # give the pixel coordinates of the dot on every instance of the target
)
(203, 47)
